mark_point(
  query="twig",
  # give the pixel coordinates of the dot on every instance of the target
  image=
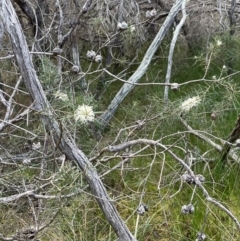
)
(231, 139)
(182, 162)
(171, 51)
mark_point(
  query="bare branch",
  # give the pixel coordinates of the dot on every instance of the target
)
(198, 183)
(84, 10)
(171, 51)
(127, 87)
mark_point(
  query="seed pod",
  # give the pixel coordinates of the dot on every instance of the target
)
(122, 26)
(174, 86)
(98, 58)
(57, 51)
(200, 177)
(238, 142)
(91, 54)
(201, 236)
(75, 69)
(188, 209)
(142, 209)
(213, 116)
(187, 178)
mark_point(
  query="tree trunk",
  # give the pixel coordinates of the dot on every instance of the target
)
(43, 109)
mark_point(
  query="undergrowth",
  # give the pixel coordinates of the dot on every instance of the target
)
(152, 176)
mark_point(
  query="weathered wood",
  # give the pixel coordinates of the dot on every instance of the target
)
(235, 134)
(43, 109)
(171, 51)
(84, 10)
(76, 60)
(34, 16)
(28, 10)
(141, 70)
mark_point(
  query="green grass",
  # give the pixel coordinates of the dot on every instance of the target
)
(152, 176)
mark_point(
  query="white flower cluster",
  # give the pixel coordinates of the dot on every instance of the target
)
(61, 96)
(92, 55)
(151, 14)
(36, 146)
(190, 103)
(123, 25)
(219, 43)
(132, 28)
(84, 114)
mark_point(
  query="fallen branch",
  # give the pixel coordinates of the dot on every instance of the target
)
(219, 148)
(42, 107)
(196, 181)
(231, 139)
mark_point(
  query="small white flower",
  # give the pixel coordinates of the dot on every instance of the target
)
(148, 14)
(61, 96)
(84, 114)
(36, 146)
(123, 25)
(132, 28)
(91, 54)
(214, 77)
(190, 103)
(61, 158)
(153, 12)
(98, 58)
(219, 43)
(27, 161)
(224, 67)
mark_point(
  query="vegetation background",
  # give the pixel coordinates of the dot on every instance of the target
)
(161, 163)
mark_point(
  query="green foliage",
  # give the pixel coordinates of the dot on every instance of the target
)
(216, 97)
(48, 73)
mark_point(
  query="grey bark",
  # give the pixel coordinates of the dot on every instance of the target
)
(232, 20)
(84, 10)
(76, 61)
(34, 16)
(127, 87)
(171, 51)
(28, 10)
(43, 109)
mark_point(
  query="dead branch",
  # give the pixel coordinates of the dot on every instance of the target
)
(127, 87)
(194, 177)
(231, 139)
(42, 107)
(171, 51)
